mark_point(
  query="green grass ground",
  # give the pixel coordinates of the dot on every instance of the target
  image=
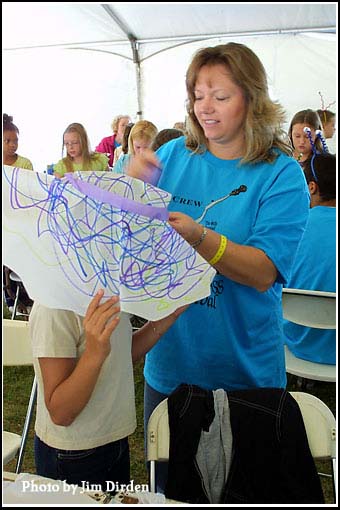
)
(17, 383)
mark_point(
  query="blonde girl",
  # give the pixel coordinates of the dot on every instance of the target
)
(141, 137)
(78, 153)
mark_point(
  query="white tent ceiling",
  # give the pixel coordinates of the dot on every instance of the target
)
(105, 26)
(93, 61)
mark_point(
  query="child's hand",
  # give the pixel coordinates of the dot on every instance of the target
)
(99, 323)
(145, 167)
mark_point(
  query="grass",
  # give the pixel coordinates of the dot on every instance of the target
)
(17, 383)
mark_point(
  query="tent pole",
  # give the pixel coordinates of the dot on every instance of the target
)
(135, 55)
(136, 60)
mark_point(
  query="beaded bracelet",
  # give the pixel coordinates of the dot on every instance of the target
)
(221, 249)
(197, 243)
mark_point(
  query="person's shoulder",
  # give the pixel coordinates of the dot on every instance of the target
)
(43, 309)
(121, 162)
(175, 145)
(280, 155)
(323, 211)
(100, 156)
(283, 160)
(24, 163)
(61, 162)
(59, 167)
(108, 139)
(43, 314)
(105, 144)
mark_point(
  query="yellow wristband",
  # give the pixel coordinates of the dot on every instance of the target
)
(221, 249)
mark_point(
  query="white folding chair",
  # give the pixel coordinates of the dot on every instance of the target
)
(17, 351)
(320, 427)
(15, 278)
(318, 419)
(315, 309)
(158, 439)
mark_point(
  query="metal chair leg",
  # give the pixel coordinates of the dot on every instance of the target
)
(15, 306)
(29, 416)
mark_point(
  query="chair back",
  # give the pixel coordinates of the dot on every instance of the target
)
(318, 419)
(16, 343)
(319, 423)
(158, 435)
(17, 351)
(312, 308)
(308, 369)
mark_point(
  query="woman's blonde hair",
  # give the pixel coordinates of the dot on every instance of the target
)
(86, 153)
(142, 130)
(116, 120)
(264, 117)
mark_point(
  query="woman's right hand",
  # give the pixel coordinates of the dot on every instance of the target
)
(99, 323)
(145, 167)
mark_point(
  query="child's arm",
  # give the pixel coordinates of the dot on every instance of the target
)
(68, 382)
(149, 334)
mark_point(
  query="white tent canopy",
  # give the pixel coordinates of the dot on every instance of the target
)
(72, 62)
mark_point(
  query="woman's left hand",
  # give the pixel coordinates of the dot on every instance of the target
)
(185, 226)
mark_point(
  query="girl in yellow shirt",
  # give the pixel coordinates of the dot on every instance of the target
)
(78, 153)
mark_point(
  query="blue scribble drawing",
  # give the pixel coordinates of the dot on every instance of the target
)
(67, 238)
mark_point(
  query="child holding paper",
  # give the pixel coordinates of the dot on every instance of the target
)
(85, 405)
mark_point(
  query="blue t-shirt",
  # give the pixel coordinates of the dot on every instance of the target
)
(120, 166)
(232, 338)
(314, 269)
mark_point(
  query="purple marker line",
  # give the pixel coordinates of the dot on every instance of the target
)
(117, 201)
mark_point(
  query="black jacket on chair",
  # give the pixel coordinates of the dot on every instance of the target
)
(191, 410)
(271, 461)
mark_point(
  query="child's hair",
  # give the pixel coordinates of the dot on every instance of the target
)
(165, 135)
(75, 127)
(180, 125)
(8, 123)
(309, 118)
(125, 139)
(142, 130)
(325, 115)
(321, 169)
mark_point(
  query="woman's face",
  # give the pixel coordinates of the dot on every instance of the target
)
(140, 144)
(220, 106)
(300, 139)
(124, 121)
(72, 144)
(10, 143)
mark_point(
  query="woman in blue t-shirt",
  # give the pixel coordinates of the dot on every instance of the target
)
(242, 201)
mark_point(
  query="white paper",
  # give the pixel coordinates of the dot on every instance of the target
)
(66, 246)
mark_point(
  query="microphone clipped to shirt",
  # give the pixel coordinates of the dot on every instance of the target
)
(241, 189)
